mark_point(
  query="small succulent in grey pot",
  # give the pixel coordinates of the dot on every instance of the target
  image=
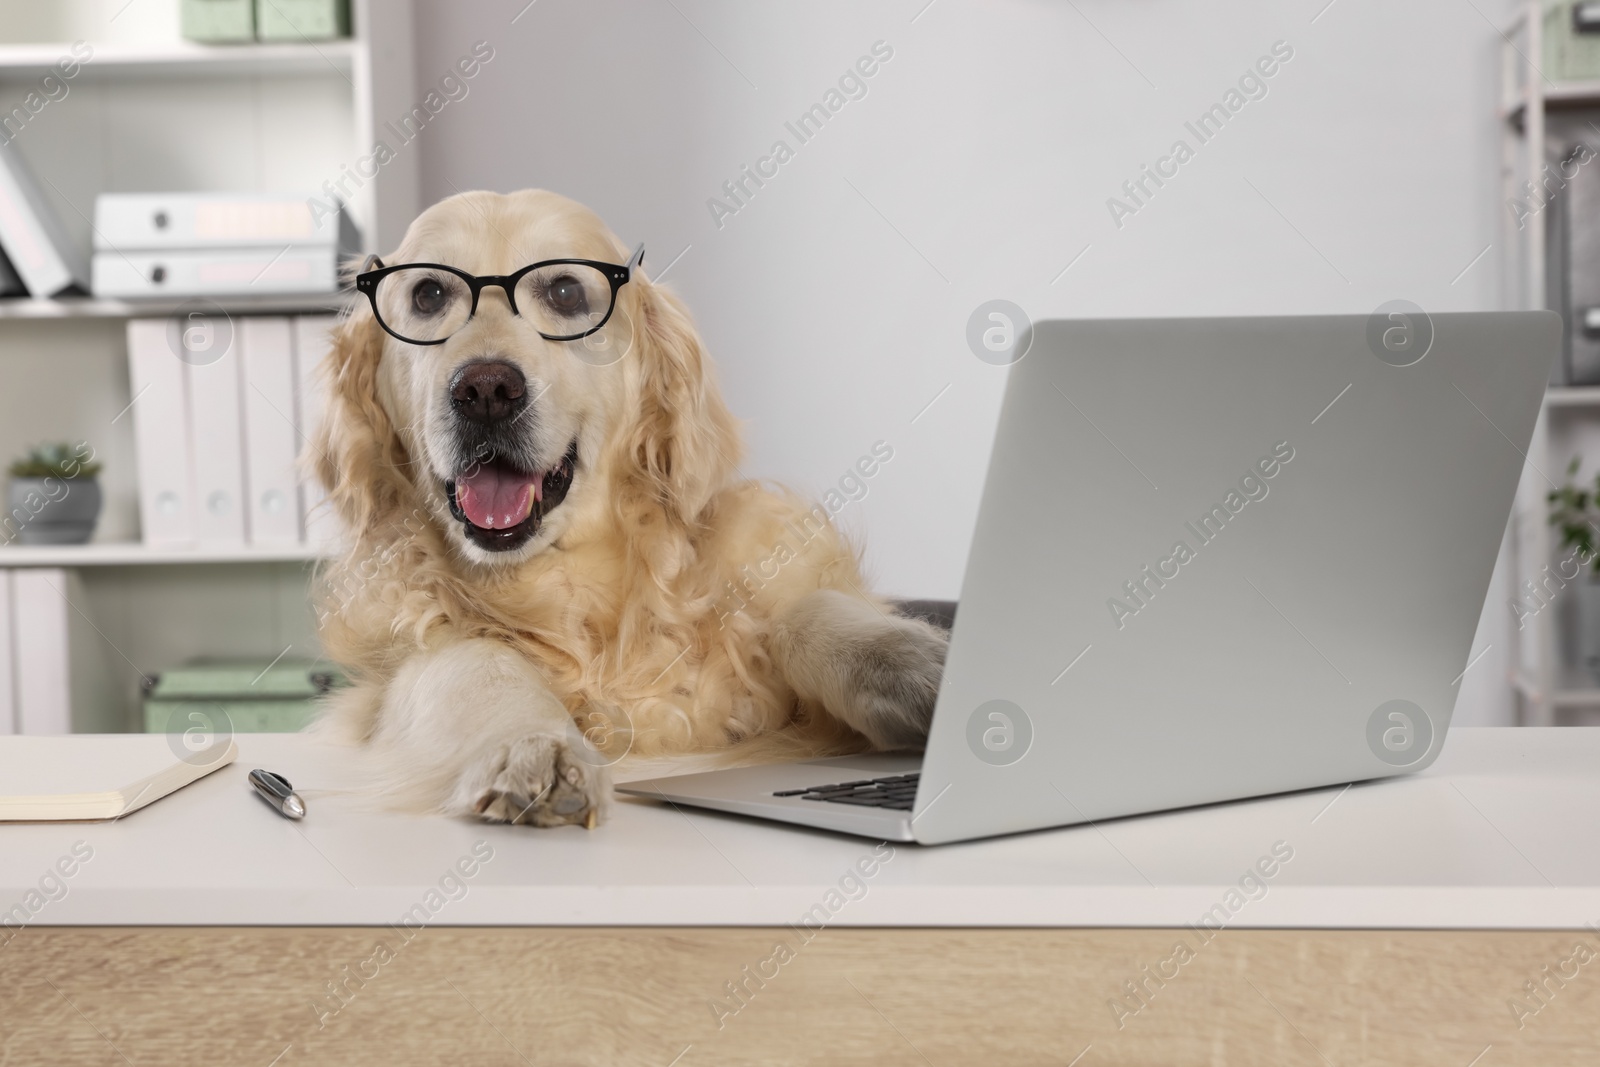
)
(53, 497)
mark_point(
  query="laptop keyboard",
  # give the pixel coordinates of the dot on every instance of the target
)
(896, 793)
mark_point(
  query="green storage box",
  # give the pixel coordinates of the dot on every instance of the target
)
(248, 697)
(1571, 53)
(302, 20)
(216, 21)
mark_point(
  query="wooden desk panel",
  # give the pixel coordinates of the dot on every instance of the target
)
(614, 996)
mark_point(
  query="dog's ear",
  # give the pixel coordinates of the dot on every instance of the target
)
(355, 452)
(685, 445)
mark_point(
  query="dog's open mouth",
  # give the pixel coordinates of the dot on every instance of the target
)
(501, 507)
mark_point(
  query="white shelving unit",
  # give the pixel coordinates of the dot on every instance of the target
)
(164, 115)
(88, 307)
(117, 62)
(135, 553)
(1549, 687)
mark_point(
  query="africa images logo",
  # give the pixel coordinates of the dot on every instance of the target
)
(1252, 85)
(1399, 733)
(999, 733)
(1142, 588)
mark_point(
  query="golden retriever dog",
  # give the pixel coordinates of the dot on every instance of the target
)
(551, 560)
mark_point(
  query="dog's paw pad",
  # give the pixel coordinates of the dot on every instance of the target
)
(540, 781)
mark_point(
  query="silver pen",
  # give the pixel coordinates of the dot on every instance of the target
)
(276, 790)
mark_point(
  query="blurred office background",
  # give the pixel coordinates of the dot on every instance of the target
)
(977, 161)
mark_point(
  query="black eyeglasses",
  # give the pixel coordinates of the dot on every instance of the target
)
(564, 299)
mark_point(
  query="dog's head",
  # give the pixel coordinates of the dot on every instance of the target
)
(511, 418)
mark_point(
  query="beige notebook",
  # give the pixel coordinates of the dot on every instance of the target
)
(97, 776)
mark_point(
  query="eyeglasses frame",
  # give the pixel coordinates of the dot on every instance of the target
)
(373, 271)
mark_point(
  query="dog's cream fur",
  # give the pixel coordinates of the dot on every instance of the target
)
(476, 672)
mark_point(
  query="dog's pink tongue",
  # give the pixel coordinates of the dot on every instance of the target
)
(496, 499)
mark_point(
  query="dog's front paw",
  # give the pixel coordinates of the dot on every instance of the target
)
(895, 682)
(539, 780)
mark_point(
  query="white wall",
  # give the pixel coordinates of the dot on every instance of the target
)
(978, 165)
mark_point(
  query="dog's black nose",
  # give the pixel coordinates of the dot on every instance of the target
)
(488, 392)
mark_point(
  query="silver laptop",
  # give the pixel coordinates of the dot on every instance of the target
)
(1214, 559)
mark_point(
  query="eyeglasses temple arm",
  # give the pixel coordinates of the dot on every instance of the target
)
(372, 262)
(636, 260)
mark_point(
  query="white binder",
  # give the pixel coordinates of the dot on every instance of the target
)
(230, 272)
(267, 348)
(160, 413)
(312, 345)
(34, 241)
(64, 681)
(216, 436)
(10, 282)
(154, 221)
(43, 682)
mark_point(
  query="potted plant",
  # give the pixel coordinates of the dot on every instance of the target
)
(53, 497)
(1573, 512)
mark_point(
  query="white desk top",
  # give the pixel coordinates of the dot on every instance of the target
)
(1501, 832)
